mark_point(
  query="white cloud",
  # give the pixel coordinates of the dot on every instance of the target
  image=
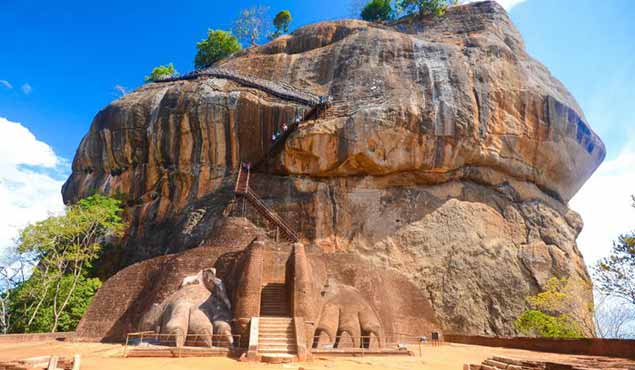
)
(31, 176)
(6, 84)
(26, 88)
(605, 205)
(508, 4)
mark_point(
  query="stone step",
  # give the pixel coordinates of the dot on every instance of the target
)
(271, 312)
(281, 324)
(277, 347)
(288, 318)
(290, 352)
(267, 342)
(271, 329)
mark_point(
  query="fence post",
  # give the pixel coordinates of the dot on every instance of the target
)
(362, 346)
(125, 348)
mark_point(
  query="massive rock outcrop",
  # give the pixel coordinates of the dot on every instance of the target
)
(448, 156)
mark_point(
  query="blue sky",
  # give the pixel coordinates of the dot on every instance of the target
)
(60, 62)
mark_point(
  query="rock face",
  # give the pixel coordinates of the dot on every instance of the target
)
(448, 157)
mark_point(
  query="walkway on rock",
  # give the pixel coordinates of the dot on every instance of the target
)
(278, 89)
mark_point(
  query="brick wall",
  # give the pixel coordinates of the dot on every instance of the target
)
(623, 348)
(36, 337)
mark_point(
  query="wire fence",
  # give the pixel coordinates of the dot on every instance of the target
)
(395, 343)
(152, 344)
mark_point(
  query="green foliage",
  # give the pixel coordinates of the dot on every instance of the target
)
(161, 72)
(62, 249)
(251, 25)
(424, 7)
(281, 21)
(377, 10)
(615, 274)
(23, 303)
(555, 312)
(218, 45)
(540, 324)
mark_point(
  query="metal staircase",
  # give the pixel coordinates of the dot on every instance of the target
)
(244, 191)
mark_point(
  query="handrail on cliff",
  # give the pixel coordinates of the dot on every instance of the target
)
(278, 89)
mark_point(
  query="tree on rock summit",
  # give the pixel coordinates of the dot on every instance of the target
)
(378, 10)
(252, 25)
(281, 23)
(424, 7)
(161, 72)
(218, 45)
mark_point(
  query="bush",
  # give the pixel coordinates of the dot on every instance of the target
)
(539, 324)
(161, 72)
(377, 10)
(559, 311)
(218, 45)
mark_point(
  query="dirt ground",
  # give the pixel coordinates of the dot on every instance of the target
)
(97, 356)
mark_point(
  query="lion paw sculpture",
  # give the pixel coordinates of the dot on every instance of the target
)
(196, 314)
(345, 311)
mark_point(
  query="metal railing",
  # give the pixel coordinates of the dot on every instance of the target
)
(395, 343)
(152, 344)
(279, 89)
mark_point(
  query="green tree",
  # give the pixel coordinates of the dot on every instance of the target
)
(252, 25)
(615, 274)
(281, 23)
(161, 72)
(424, 7)
(560, 311)
(539, 324)
(62, 249)
(218, 45)
(377, 10)
(24, 300)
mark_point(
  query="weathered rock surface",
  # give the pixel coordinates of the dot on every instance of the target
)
(448, 156)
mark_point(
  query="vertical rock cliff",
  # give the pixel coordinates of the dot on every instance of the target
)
(448, 156)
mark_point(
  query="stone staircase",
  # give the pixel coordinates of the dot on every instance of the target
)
(274, 300)
(276, 336)
(276, 330)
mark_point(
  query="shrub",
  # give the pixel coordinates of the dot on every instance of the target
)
(161, 72)
(539, 324)
(559, 311)
(218, 45)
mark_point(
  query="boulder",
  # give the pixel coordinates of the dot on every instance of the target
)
(448, 155)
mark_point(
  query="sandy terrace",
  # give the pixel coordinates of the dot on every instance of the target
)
(97, 356)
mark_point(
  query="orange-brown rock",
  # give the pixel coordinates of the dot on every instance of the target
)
(448, 156)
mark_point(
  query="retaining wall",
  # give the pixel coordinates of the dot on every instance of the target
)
(36, 337)
(624, 348)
